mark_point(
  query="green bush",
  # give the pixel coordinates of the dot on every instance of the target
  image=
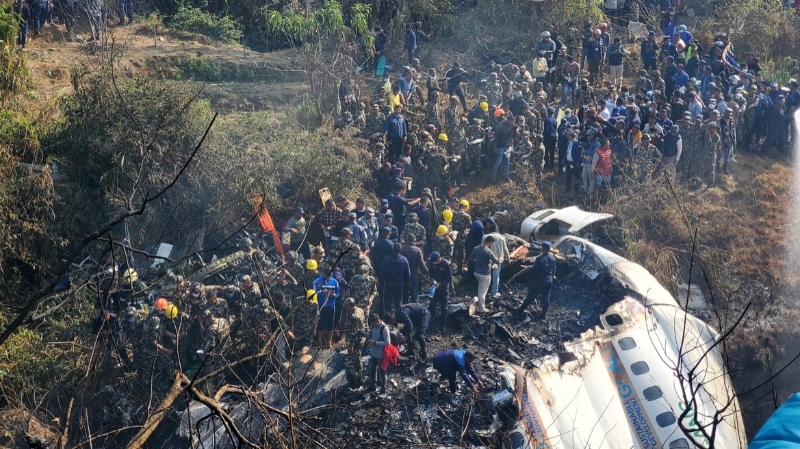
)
(14, 73)
(195, 20)
(306, 114)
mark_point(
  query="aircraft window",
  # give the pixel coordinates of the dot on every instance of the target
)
(679, 444)
(640, 368)
(652, 393)
(665, 419)
(614, 320)
(627, 343)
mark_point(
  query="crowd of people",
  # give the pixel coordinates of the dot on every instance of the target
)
(34, 15)
(682, 118)
(360, 283)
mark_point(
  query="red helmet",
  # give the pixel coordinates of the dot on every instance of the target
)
(603, 26)
(161, 303)
(596, 32)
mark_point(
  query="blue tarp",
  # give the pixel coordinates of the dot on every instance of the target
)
(782, 429)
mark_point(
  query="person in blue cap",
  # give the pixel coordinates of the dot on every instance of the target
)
(543, 274)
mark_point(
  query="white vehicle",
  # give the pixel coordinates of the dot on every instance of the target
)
(550, 224)
(626, 382)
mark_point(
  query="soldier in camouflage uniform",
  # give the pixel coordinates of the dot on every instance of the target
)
(374, 121)
(344, 244)
(352, 326)
(585, 95)
(133, 326)
(461, 223)
(556, 84)
(658, 83)
(533, 120)
(251, 291)
(524, 147)
(457, 152)
(413, 138)
(443, 243)
(473, 152)
(254, 261)
(284, 286)
(152, 357)
(537, 159)
(647, 159)
(352, 262)
(215, 344)
(414, 228)
(573, 37)
(294, 269)
(643, 83)
(435, 164)
(692, 135)
(432, 111)
(451, 115)
(363, 288)
(493, 90)
(709, 152)
(306, 313)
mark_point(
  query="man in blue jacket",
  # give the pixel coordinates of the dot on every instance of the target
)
(327, 289)
(410, 44)
(453, 361)
(396, 132)
(393, 277)
(382, 247)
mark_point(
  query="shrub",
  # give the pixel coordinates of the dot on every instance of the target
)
(195, 20)
(14, 73)
(306, 114)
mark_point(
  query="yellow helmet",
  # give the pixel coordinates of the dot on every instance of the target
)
(442, 137)
(441, 230)
(311, 296)
(464, 203)
(484, 106)
(311, 264)
(447, 214)
(130, 275)
(172, 311)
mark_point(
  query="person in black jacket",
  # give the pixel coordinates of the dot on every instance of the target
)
(24, 12)
(504, 141)
(415, 319)
(572, 159)
(441, 272)
(543, 271)
(416, 263)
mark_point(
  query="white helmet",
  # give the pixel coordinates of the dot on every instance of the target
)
(545, 34)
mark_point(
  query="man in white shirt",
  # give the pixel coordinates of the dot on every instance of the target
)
(500, 250)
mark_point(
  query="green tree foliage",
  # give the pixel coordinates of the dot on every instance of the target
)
(324, 43)
(196, 20)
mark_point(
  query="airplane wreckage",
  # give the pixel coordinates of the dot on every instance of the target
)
(619, 365)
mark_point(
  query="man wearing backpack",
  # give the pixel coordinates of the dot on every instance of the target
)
(378, 337)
